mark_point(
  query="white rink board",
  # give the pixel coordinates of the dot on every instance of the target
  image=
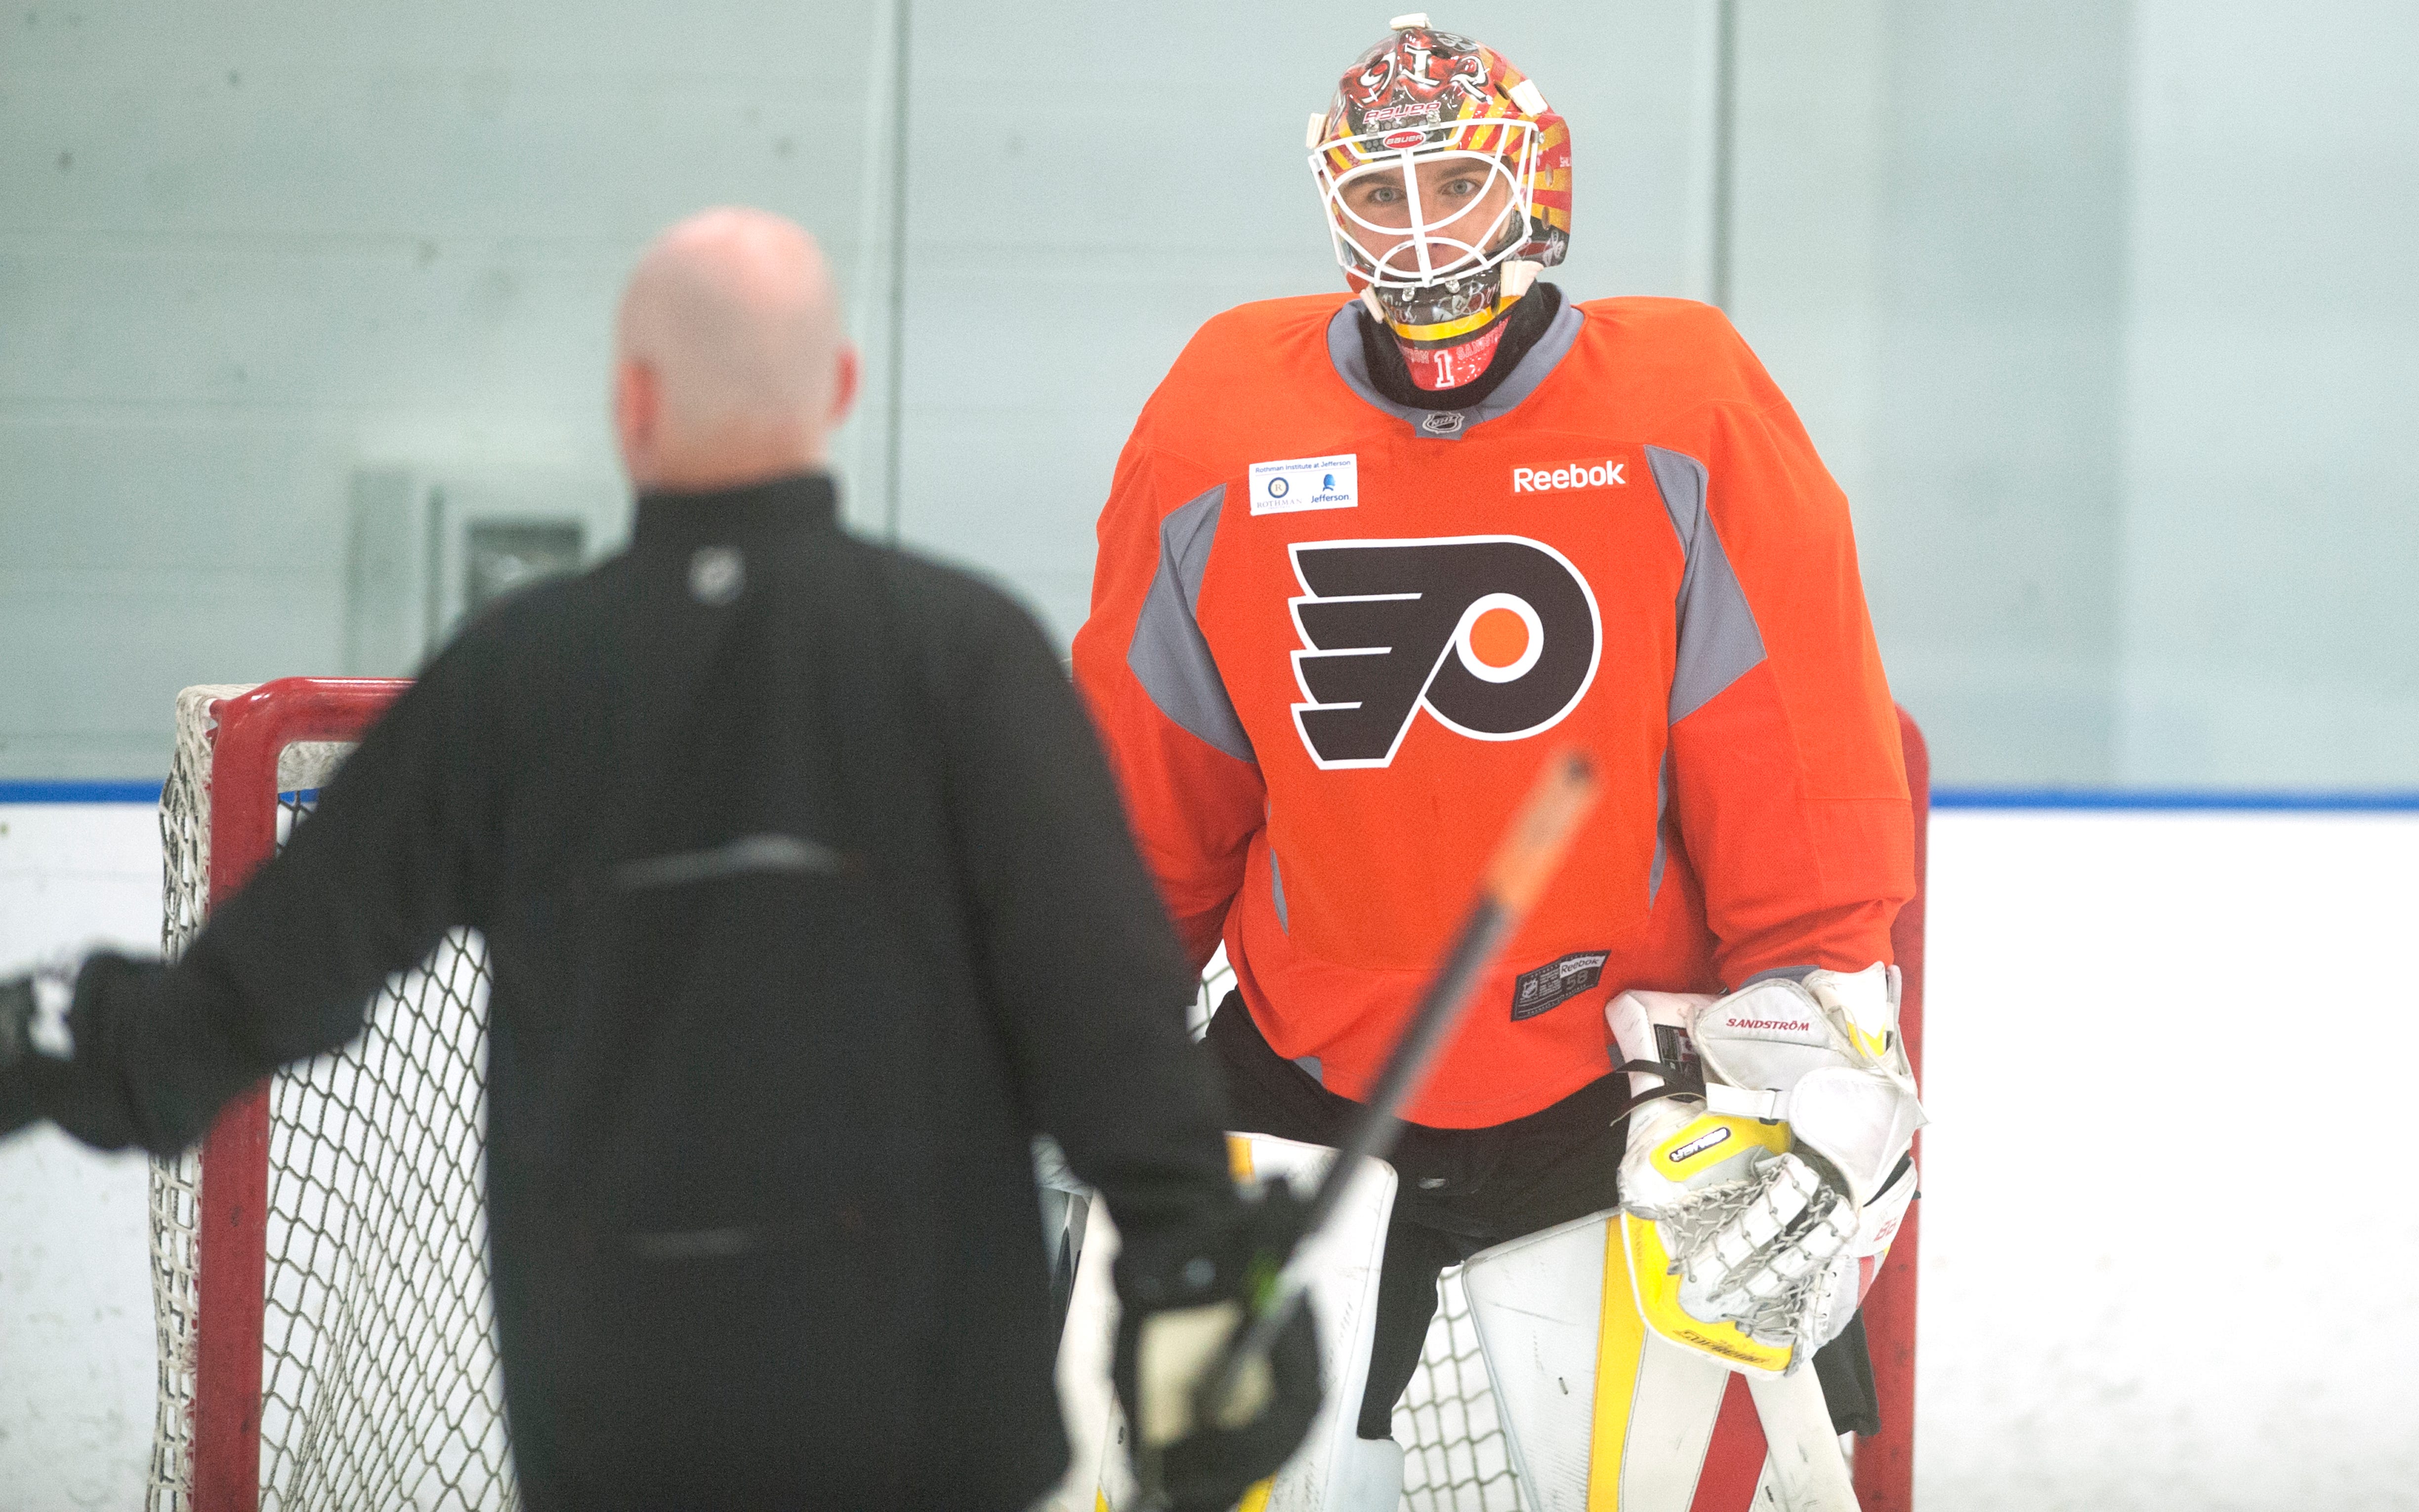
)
(2181, 1046)
(77, 1376)
(2106, 991)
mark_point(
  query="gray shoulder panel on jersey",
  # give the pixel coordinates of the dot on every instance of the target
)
(1169, 655)
(1718, 640)
(1352, 366)
(1662, 807)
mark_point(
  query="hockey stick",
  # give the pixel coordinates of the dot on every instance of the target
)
(1524, 862)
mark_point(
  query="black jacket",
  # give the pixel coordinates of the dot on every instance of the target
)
(808, 901)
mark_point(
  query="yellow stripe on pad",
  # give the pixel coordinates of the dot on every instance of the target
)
(1621, 1338)
(1256, 1499)
(1238, 1156)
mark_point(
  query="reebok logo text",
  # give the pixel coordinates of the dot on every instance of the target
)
(1574, 474)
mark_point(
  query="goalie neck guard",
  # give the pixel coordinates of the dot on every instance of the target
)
(1447, 185)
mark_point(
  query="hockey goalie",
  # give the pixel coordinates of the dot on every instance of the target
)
(1362, 552)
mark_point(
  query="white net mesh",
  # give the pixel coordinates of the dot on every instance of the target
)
(379, 1385)
(1455, 1456)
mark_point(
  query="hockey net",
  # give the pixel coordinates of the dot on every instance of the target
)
(358, 1289)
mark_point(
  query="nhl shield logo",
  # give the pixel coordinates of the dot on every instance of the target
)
(1496, 636)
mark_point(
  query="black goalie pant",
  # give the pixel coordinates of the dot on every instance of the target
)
(1463, 1190)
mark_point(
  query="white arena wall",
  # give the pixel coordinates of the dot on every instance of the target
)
(2167, 1051)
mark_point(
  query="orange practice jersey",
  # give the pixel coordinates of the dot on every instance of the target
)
(1332, 638)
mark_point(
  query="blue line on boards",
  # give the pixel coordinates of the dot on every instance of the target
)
(80, 792)
(2178, 800)
(2148, 799)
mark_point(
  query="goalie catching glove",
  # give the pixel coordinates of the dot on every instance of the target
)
(1768, 1162)
(1184, 1291)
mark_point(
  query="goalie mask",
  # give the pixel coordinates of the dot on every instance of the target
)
(1447, 185)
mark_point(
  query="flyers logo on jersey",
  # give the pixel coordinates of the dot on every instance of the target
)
(1496, 636)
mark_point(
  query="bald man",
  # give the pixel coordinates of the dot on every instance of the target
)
(809, 903)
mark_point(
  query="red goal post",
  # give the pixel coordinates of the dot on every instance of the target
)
(275, 1161)
(317, 1264)
(1884, 1468)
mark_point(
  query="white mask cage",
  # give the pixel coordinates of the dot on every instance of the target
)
(1427, 249)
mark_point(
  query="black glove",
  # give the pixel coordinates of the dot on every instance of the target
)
(19, 1063)
(41, 1079)
(1186, 1288)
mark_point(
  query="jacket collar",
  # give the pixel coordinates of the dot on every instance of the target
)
(780, 508)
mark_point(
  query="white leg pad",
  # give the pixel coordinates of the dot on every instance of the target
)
(1672, 1416)
(1599, 1410)
(1803, 1467)
(1538, 1303)
(1367, 1478)
(1097, 1467)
